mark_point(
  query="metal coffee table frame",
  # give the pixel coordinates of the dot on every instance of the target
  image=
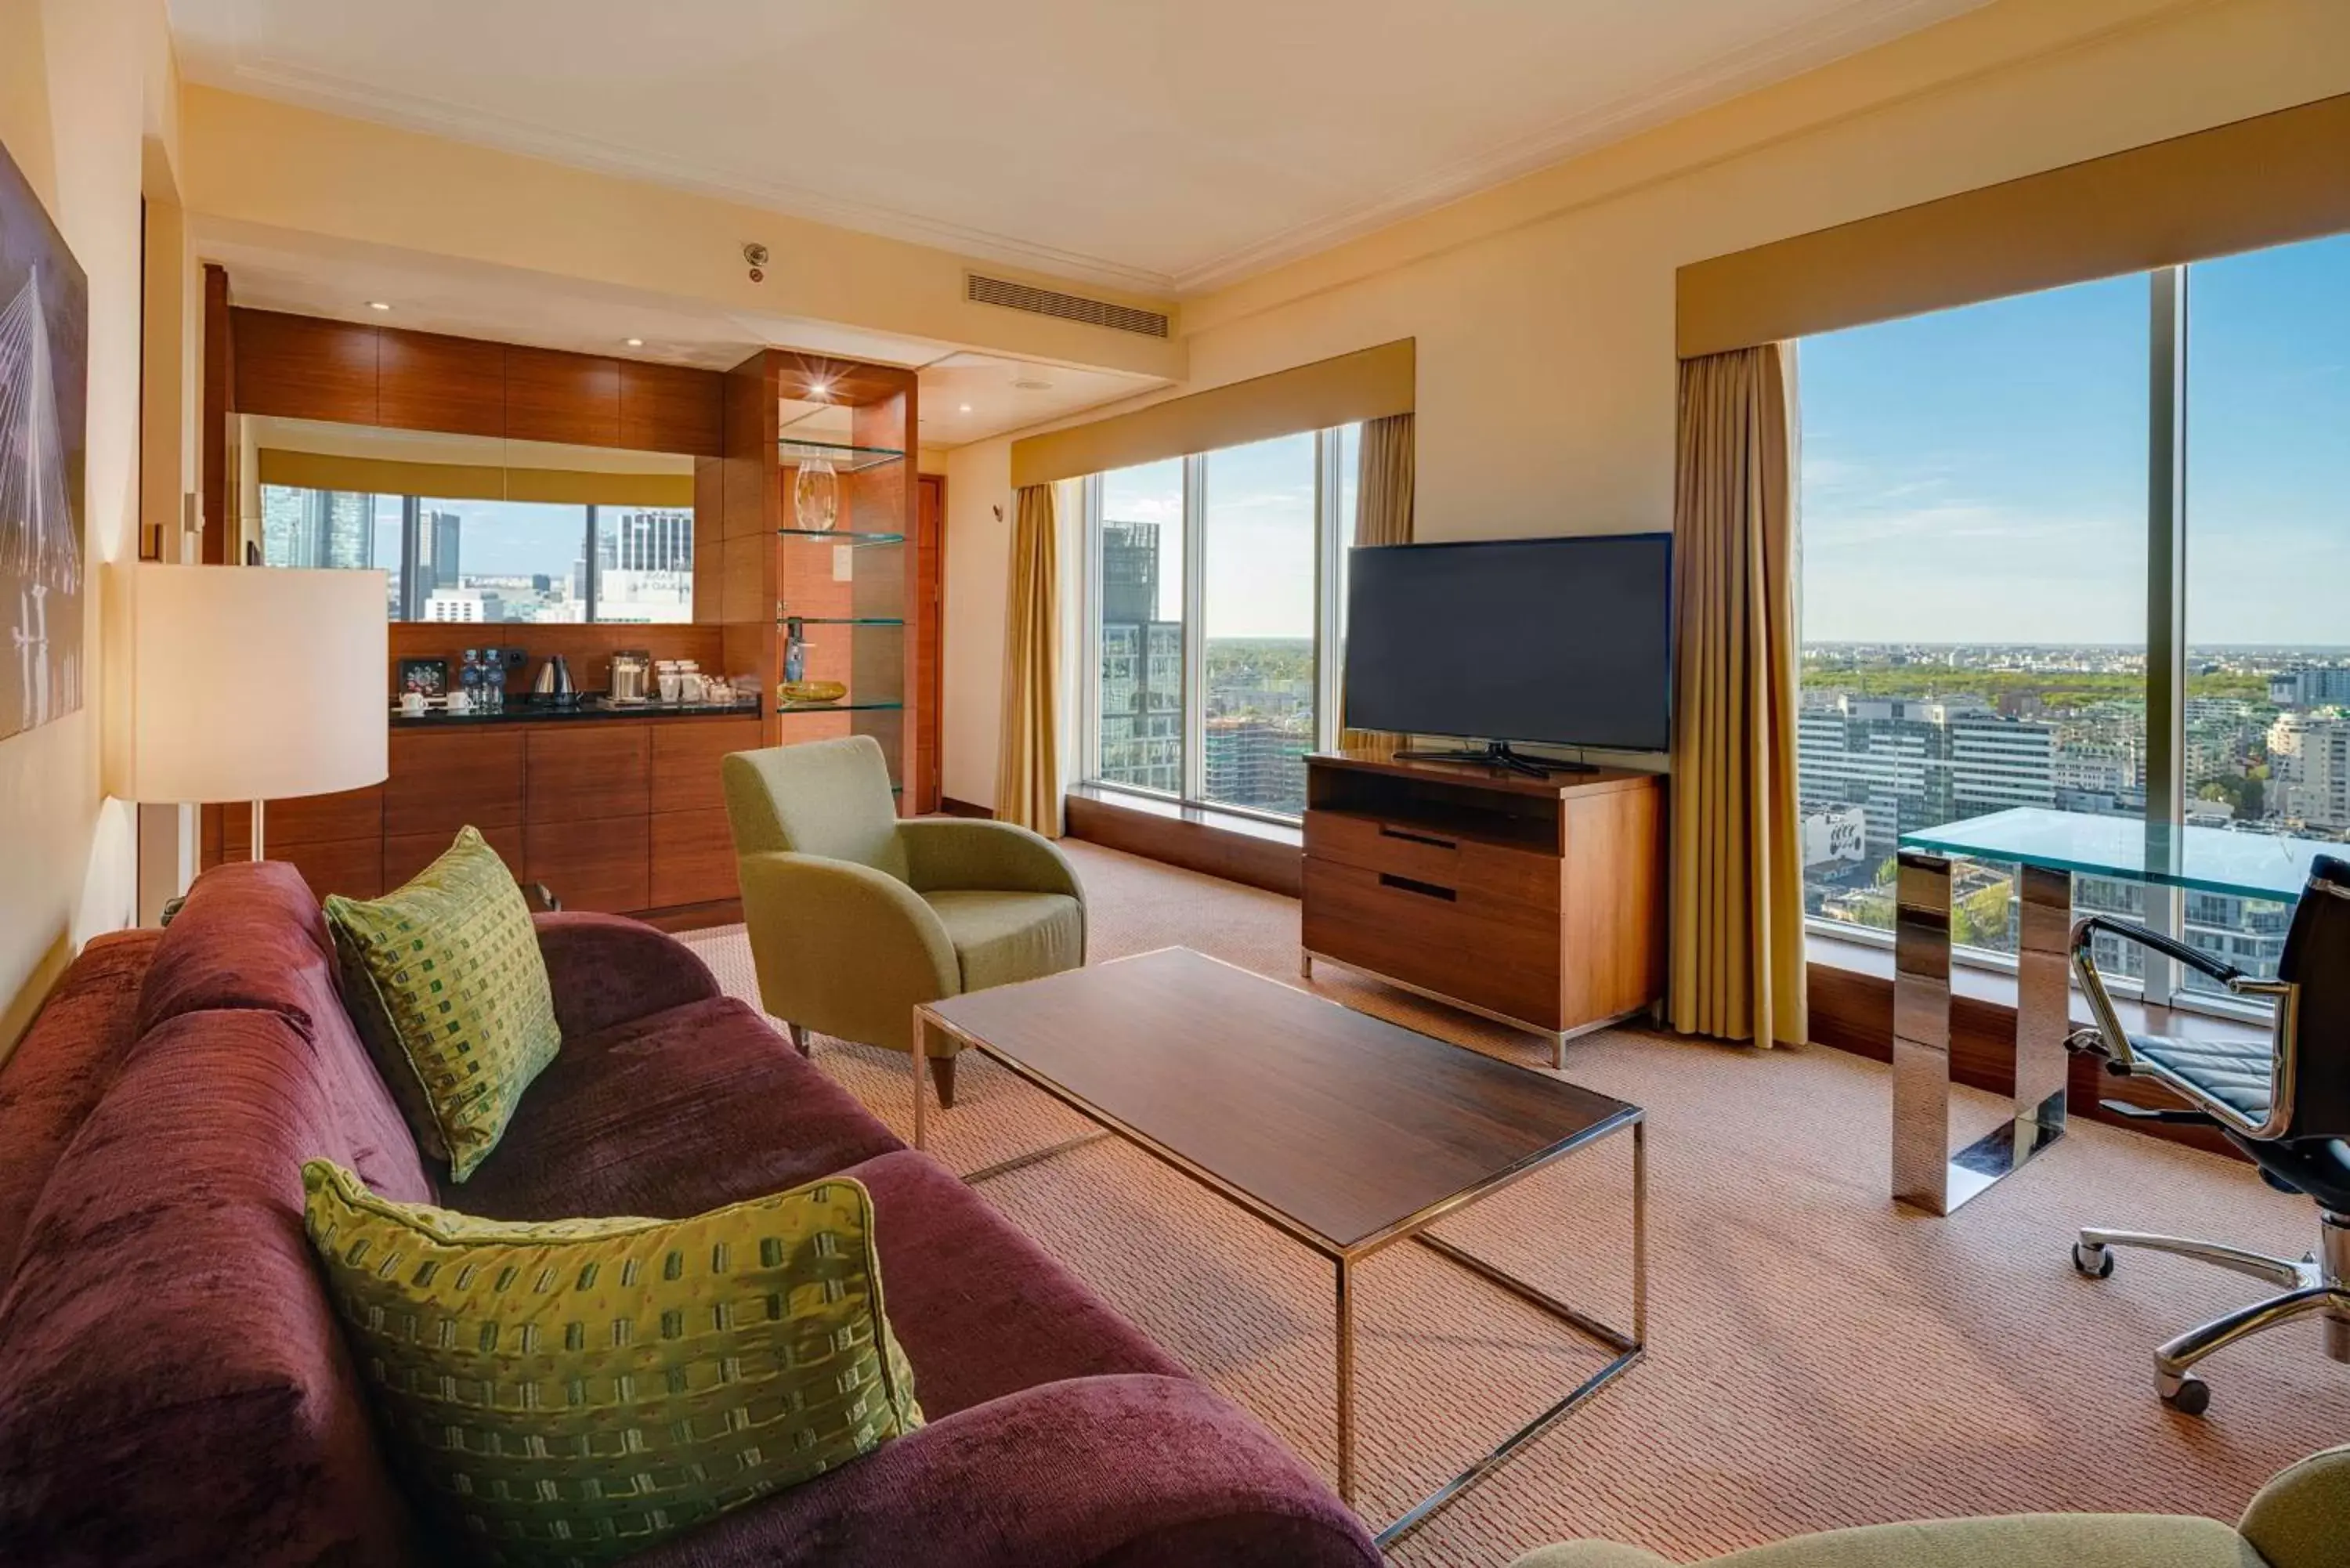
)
(1628, 1348)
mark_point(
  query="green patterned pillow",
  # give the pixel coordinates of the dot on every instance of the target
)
(445, 981)
(574, 1390)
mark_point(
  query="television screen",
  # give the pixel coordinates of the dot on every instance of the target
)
(1561, 641)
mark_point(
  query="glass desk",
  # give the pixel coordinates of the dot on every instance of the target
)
(2049, 847)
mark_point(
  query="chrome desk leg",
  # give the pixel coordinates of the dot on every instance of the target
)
(1924, 1171)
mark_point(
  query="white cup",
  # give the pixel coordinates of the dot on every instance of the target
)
(460, 700)
(412, 704)
(670, 684)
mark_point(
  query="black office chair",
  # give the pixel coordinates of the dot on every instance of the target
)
(2286, 1103)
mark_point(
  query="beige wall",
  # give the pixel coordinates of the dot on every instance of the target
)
(79, 85)
(1543, 311)
(978, 567)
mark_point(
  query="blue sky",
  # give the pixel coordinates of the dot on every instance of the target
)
(1260, 513)
(1979, 474)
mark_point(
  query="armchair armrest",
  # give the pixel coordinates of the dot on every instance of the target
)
(843, 949)
(956, 853)
(1131, 1468)
(2146, 936)
(606, 969)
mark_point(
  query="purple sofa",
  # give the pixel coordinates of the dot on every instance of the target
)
(174, 1388)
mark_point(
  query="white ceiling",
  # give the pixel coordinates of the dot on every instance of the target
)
(963, 396)
(1163, 145)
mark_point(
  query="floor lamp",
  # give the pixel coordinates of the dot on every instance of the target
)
(250, 683)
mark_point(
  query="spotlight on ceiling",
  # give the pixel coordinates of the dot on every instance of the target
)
(634, 342)
(379, 305)
(963, 409)
(819, 388)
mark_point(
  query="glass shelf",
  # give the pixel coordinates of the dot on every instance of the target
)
(838, 619)
(843, 706)
(849, 534)
(844, 458)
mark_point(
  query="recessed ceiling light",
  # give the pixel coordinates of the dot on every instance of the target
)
(634, 342)
(820, 389)
(379, 305)
(964, 408)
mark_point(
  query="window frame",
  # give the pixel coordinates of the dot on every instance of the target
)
(1333, 535)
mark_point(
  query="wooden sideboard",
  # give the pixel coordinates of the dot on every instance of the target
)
(1539, 902)
(623, 815)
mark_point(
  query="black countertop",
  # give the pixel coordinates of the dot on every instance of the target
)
(591, 708)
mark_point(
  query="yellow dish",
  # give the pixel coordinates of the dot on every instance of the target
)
(813, 690)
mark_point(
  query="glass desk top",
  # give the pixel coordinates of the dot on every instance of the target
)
(2206, 859)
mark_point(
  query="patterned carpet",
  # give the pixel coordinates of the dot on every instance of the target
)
(1818, 1358)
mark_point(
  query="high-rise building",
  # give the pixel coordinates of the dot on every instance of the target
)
(443, 536)
(2309, 770)
(1258, 762)
(332, 528)
(1910, 763)
(1141, 665)
(644, 564)
(2311, 686)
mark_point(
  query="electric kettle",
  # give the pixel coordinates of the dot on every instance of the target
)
(553, 683)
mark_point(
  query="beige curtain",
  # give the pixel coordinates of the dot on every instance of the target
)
(1028, 765)
(1737, 879)
(1383, 500)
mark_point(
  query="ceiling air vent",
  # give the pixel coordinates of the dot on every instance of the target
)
(1036, 301)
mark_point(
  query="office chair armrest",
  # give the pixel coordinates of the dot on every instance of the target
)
(2226, 973)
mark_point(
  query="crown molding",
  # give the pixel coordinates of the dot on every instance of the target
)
(330, 93)
(1855, 25)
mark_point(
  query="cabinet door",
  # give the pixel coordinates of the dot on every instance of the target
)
(673, 407)
(555, 396)
(304, 367)
(593, 768)
(686, 753)
(692, 859)
(425, 381)
(590, 865)
(343, 816)
(351, 866)
(406, 853)
(441, 782)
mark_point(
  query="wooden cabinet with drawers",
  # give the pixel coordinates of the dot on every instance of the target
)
(1536, 901)
(624, 815)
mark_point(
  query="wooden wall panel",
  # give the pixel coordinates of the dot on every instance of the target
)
(671, 408)
(351, 866)
(304, 367)
(218, 402)
(554, 396)
(425, 381)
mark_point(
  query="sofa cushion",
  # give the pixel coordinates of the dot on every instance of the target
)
(444, 980)
(982, 1311)
(175, 1383)
(63, 1065)
(568, 1391)
(251, 934)
(1000, 938)
(670, 1115)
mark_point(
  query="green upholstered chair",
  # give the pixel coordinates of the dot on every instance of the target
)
(856, 917)
(2300, 1520)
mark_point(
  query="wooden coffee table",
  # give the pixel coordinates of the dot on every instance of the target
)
(1346, 1132)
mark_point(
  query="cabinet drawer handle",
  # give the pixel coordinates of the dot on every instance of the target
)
(1425, 889)
(1386, 832)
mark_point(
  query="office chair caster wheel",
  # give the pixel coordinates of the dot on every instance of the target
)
(2191, 1397)
(2098, 1262)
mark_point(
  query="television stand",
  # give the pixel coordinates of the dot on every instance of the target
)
(1500, 755)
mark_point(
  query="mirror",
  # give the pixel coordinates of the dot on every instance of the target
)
(469, 528)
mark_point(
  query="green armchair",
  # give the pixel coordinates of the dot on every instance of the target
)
(2300, 1520)
(856, 917)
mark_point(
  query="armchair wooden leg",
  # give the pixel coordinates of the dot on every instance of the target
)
(943, 1075)
(799, 1038)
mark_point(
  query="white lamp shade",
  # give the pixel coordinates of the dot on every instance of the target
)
(253, 682)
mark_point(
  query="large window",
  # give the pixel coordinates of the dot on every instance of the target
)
(479, 561)
(1212, 590)
(1979, 529)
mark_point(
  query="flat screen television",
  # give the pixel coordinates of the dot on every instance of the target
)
(1552, 641)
